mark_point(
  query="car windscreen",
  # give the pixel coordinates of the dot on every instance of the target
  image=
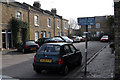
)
(29, 42)
(49, 49)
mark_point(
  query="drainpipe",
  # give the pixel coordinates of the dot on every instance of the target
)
(54, 24)
(29, 21)
(61, 26)
(6, 39)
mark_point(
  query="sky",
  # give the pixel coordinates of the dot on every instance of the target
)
(77, 8)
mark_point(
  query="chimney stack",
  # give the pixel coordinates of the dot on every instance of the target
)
(54, 10)
(37, 4)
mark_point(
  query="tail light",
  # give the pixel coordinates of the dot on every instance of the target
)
(26, 46)
(34, 58)
(38, 46)
(60, 61)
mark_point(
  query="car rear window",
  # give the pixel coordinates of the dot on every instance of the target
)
(49, 49)
(105, 37)
(30, 42)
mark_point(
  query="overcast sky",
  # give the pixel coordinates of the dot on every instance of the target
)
(77, 8)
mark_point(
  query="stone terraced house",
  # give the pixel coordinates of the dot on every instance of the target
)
(42, 23)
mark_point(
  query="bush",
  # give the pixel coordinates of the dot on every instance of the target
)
(18, 27)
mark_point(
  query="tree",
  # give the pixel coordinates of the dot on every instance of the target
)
(76, 29)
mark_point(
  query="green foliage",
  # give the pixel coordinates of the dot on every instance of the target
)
(18, 28)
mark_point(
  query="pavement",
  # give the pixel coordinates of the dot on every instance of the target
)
(101, 67)
(6, 51)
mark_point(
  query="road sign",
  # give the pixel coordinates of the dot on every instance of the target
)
(86, 21)
(82, 21)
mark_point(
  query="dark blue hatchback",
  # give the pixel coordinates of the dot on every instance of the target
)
(56, 56)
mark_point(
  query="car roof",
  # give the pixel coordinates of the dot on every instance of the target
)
(58, 43)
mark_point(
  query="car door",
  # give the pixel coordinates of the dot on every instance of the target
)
(67, 55)
(74, 53)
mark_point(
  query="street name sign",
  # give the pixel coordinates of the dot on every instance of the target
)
(86, 21)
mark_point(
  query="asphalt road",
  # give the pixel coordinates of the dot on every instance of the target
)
(18, 65)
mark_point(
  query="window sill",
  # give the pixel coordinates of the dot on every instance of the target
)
(49, 26)
(58, 27)
(36, 25)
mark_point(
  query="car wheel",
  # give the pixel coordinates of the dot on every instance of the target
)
(23, 50)
(65, 70)
(38, 71)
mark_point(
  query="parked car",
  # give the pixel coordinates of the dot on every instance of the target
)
(54, 40)
(88, 38)
(65, 39)
(105, 38)
(28, 46)
(78, 39)
(41, 41)
(57, 57)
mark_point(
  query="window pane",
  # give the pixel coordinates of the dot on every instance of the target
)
(36, 35)
(49, 22)
(97, 25)
(65, 25)
(57, 24)
(72, 48)
(36, 20)
(49, 34)
(19, 15)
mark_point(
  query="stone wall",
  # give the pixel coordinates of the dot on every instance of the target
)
(0, 26)
(117, 39)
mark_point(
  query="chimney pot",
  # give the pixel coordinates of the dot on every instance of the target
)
(54, 10)
(37, 4)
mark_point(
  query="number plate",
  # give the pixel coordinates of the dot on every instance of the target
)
(33, 49)
(46, 60)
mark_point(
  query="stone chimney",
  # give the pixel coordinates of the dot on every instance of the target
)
(54, 10)
(37, 4)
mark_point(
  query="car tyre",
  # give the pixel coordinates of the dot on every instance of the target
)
(38, 71)
(23, 50)
(65, 70)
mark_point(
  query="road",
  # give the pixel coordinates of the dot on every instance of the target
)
(18, 65)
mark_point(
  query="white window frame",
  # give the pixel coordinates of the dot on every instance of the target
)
(58, 24)
(19, 15)
(49, 22)
(49, 34)
(65, 27)
(36, 35)
(36, 20)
